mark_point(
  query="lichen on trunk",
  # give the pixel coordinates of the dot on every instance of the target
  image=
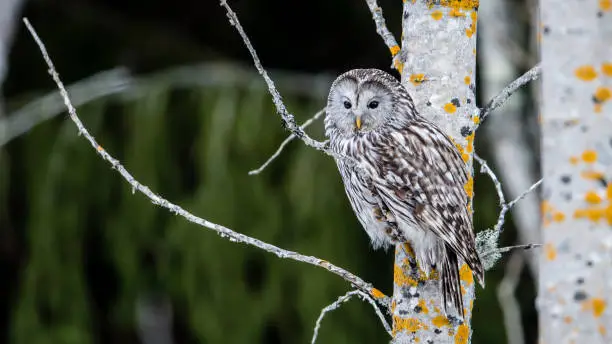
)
(437, 62)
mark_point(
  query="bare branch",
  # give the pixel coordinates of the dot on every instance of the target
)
(288, 118)
(342, 299)
(500, 99)
(523, 247)
(507, 301)
(285, 143)
(506, 207)
(224, 232)
(487, 241)
(484, 168)
(382, 30)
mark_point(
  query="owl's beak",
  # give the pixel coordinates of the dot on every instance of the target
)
(358, 122)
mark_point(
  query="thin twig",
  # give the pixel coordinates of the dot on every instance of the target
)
(224, 232)
(506, 207)
(500, 99)
(507, 300)
(484, 168)
(288, 118)
(284, 143)
(523, 247)
(381, 27)
(342, 299)
(500, 250)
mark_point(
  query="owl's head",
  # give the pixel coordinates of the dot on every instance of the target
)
(362, 100)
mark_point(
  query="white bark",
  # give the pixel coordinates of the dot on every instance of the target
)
(575, 291)
(505, 133)
(437, 62)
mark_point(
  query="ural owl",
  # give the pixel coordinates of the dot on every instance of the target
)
(403, 176)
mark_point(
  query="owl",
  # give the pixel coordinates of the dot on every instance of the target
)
(403, 176)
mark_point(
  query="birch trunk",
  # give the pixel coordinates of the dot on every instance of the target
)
(437, 62)
(575, 291)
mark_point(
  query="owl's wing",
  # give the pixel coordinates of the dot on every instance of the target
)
(420, 176)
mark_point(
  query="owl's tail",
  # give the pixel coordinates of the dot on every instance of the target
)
(451, 284)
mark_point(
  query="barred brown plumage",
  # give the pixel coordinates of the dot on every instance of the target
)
(405, 178)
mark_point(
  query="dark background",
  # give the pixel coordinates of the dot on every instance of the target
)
(80, 254)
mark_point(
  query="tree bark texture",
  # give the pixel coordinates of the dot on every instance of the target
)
(437, 63)
(575, 289)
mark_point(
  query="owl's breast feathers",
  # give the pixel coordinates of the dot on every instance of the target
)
(419, 175)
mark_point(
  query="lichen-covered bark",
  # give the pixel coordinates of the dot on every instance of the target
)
(575, 290)
(437, 63)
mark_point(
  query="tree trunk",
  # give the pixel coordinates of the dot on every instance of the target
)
(437, 63)
(575, 290)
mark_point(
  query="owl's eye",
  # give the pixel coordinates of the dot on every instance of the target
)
(347, 104)
(373, 104)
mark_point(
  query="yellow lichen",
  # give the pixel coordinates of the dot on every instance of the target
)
(602, 329)
(377, 293)
(440, 321)
(436, 15)
(423, 306)
(558, 216)
(465, 274)
(467, 80)
(596, 305)
(462, 335)
(589, 156)
(602, 94)
(410, 324)
(460, 4)
(551, 252)
(597, 108)
(469, 187)
(472, 29)
(417, 79)
(605, 5)
(401, 279)
(599, 306)
(606, 68)
(592, 197)
(592, 175)
(586, 73)
(450, 107)
(476, 119)
(394, 50)
(398, 65)
(573, 160)
(469, 147)
(456, 13)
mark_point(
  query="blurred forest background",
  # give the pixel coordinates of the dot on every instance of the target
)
(168, 88)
